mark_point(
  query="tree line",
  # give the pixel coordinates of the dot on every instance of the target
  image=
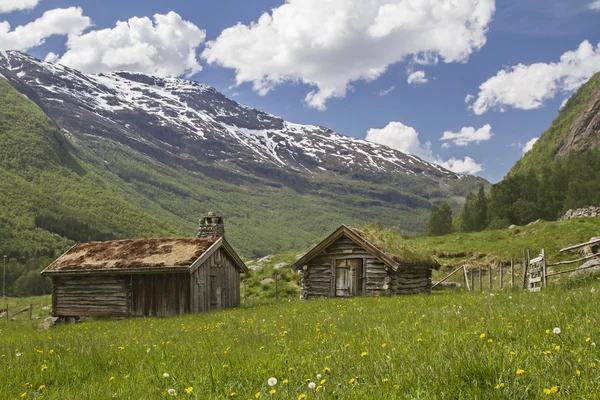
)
(546, 193)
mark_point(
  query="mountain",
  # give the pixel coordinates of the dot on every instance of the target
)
(576, 129)
(130, 155)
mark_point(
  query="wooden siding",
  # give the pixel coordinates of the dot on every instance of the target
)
(215, 284)
(319, 277)
(160, 295)
(90, 296)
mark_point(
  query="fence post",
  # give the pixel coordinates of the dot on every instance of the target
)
(472, 280)
(480, 280)
(512, 273)
(490, 274)
(544, 272)
(276, 291)
(466, 278)
(501, 283)
(525, 267)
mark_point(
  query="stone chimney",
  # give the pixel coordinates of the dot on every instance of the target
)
(211, 226)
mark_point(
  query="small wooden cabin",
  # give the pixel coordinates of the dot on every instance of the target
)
(147, 277)
(346, 264)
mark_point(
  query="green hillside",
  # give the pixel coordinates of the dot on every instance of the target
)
(544, 151)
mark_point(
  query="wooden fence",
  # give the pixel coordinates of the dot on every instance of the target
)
(535, 272)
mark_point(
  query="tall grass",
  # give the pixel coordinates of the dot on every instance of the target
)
(444, 345)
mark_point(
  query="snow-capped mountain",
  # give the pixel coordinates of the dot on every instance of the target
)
(183, 119)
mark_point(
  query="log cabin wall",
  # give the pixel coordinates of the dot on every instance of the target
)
(160, 295)
(411, 280)
(319, 279)
(215, 284)
(99, 296)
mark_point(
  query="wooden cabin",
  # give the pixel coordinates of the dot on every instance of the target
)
(347, 264)
(148, 277)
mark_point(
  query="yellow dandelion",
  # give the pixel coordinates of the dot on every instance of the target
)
(578, 372)
(587, 340)
(301, 396)
(189, 390)
(233, 394)
(520, 371)
(547, 331)
(547, 352)
(272, 392)
(44, 367)
(482, 336)
(547, 391)
(322, 382)
(24, 394)
(500, 386)
(262, 347)
(490, 341)
(363, 354)
(291, 369)
(554, 389)
(593, 364)
(384, 345)
(419, 340)
(257, 395)
(557, 348)
(351, 381)
(384, 380)
(42, 387)
(347, 345)
(112, 378)
(327, 369)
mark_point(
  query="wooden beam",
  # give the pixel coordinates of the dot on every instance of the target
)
(448, 276)
(571, 270)
(466, 278)
(580, 245)
(574, 261)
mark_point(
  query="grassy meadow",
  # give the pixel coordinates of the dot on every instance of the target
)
(471, 345)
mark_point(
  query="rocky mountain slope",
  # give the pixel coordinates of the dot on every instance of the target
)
(576, 129)
(171, 149)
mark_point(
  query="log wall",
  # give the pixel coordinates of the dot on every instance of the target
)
(215, 284)
(99, 296)
(160, 295)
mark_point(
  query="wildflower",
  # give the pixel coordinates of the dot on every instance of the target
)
(578, 372)
(547, 352)
(44, 367)
(419, 340)
(257, 395)
(172, 392)
(363, 354)
(557, 348)
(262, 347)
(351, 381)
(554, 389)
(312, 385)
(490, 341)
(112, 378)
(18, 354)
(42, 387)
(291, 370)
(319, 376)
(547, 391)
(272, 392)
(23, 394)
(322, 382)
(384, 380)
(301, 396)
(233, 394)
(520, 372)
(482, 336)
(272, 381)
(121, 348)
(166, 375)
(587, 340)
(189, 390)
(500, 386)
(556, 331)
(593, 364)
(285, 382)
(327, 369)
(347, 345)
(319, 388)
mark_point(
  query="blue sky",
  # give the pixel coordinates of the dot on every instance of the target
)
(358, 67)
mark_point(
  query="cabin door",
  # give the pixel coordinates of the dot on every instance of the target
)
(348, 277)
(216, 288)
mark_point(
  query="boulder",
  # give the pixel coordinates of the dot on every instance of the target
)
(281, 265)
(512, 227)
(255, 267)
(265, 259)
(590, 267)
(266, 281)
(447, 285)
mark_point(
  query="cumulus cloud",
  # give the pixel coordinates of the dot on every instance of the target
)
(529, 86)
(386, 91)
(468, 135)
(469, 98)
(330, 44)
(595, 5)
(165, 46)
(529, 145)
(7, 6)
(417, 78)
(406, 139)
(60, 21)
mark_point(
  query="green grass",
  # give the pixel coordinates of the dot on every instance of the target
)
(445, 345)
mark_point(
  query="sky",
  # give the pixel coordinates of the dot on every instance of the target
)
(467, 84)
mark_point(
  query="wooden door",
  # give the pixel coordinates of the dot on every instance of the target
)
(348, 277)
(217, 288)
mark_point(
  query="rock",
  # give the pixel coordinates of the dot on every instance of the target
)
(591, 249)
(255, 267)
(281, 265)
(592, 267)
(512, 227)
(534, 222)
(266, 281)
(49, 322)
(591, 212)
(265, 259)
(447, 285)
(299, 256)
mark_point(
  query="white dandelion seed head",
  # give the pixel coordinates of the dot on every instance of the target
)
(312, 385)
(556, 330)
(510, 297)
(166, 375)
(18, 354)
(593, 344)
(272, 381)
(171, 392)
(319, 376)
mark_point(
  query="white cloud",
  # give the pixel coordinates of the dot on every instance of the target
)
(417, 78)
(330, 44)
(7, 6)
(406, 139)
(528, 86)
(469, 98)
(595, 5)
(445, 145)
(165, 46)
(401, 137)
(60, 21)
(386, 91)
(466, 166)
(468, 135)
(529, 145)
